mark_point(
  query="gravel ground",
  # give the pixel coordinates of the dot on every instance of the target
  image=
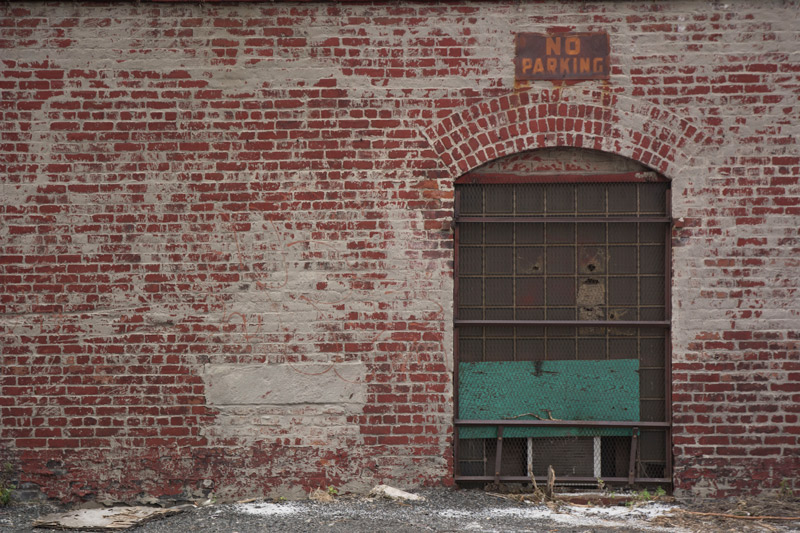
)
(443, 510)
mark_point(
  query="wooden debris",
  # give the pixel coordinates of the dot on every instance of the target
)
(111, 518)
(533, 479)
(534, 415)
(550, 414)
(537, 417)
(319, 495)
(511, 497)
(385, 491)
(550, 489)
(741, 517)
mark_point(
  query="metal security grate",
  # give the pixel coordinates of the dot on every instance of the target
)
(562, 320)
(559, 199)
(543, 271)
(585, 458)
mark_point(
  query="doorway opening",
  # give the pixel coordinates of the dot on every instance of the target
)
(562, 320)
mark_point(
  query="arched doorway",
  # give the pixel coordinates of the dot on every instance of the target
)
(562, 319)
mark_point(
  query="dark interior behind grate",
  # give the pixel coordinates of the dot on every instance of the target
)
(534, 262)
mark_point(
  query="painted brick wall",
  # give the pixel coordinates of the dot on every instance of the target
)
(226, 250)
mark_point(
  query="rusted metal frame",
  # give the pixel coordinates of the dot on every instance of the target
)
(514, 279)
(545, 219)
(561, 423)
(576, 279)
(632, 462)
(455, 400)
(606, 269)
(456, 210)
(576, 479)
(501, 424)
(668, 402)
(575, 323)
(499, 178)
(499, 454)
(668, 336)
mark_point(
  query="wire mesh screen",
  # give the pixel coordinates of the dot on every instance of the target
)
(584, 350)
(558, 199)
(561, 310)
(561, 271)
(572, 458)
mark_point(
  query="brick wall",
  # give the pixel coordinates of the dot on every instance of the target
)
(226, 246)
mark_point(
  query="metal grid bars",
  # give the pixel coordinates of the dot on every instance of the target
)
(543, 271)
(581, 460)
(607, 200)
(562, 323)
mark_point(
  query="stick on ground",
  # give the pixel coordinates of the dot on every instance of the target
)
(740, 517)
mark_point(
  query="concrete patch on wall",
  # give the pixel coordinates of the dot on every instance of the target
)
(231, 384)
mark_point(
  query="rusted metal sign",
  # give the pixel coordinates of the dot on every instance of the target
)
(562, 56)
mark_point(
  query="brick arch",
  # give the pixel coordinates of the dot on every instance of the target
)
(592, 119)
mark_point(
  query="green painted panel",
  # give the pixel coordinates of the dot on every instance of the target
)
(570, 390)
